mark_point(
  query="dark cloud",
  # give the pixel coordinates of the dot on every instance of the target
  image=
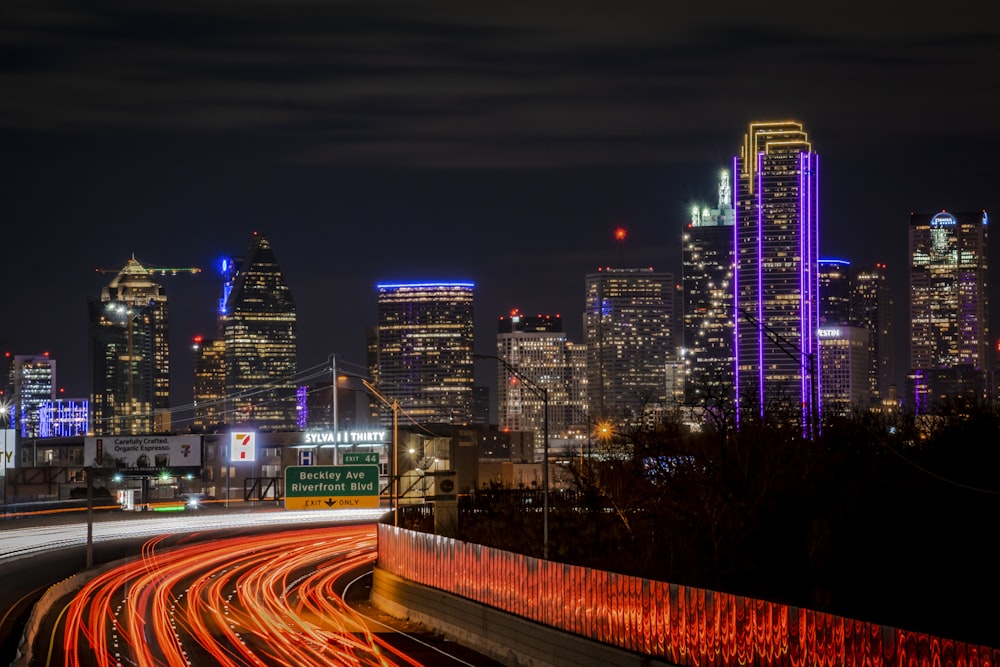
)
(382, 81)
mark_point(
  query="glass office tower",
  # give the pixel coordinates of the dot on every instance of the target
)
(260, 342)
(209, 384)
(34, 386)
(707, 255)
(130, 355)
(537, 348)
(871, 308)
(776, 240)
(630, 334)
(949, 308)
(834, 291)
(423, 355)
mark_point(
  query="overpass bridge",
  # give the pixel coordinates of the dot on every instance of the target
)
(528, 611)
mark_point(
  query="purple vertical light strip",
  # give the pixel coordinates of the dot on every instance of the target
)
(804, 295)
(760, 283)
(814, 321)
(302, 413)
(736, 288)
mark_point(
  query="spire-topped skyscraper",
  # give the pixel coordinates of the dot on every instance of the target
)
(130, 355)
(259, 330)
(777, 253)
(708, 300)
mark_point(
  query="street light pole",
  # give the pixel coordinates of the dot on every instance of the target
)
(333, 406)
(544, 393)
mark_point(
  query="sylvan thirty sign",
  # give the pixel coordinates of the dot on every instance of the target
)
(345, 437)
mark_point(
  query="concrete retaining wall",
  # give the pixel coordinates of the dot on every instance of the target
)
(507, 638)
(45, 605)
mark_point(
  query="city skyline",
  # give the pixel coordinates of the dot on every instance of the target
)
(377, 142)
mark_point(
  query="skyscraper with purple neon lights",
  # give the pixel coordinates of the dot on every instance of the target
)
(776, 300)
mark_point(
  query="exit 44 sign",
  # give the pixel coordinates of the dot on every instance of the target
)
(360, 457)
(331, 487)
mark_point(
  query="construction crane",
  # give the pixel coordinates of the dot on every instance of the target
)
(134, 266)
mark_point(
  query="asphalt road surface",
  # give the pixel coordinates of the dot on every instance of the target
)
(196, 593)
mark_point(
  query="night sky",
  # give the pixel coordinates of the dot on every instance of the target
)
(383, 140)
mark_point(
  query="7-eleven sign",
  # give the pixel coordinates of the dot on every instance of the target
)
(242, 446)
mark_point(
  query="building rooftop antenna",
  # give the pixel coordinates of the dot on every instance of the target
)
(620, 235)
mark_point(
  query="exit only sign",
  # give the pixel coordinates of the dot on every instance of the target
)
(331, 487)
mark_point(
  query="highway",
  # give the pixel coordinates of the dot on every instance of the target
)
(257, 588)
(19, 541)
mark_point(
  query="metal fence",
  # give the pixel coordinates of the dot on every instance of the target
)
(687, 626)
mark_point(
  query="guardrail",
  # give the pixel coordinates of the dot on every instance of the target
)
(684, 625)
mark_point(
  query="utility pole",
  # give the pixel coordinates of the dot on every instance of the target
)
(393, 405)
(333, 406)
(89, 471)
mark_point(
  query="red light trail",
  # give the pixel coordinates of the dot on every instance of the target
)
(256, 600)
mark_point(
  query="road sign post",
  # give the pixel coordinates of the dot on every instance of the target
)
(331, 487)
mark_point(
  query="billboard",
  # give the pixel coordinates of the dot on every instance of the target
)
(138, 453)
(9, 460)
(242, 446)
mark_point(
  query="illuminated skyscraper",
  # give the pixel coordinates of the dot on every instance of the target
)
(34, 386)
(423, 355)
(537, 348)
(871, 308)
(259, 330)
(130, 354)
(834, 291)
(708, 300)
(949, 307)
(777, 287)
(845, 360)
(630, 332)
(64, 418)
(209, 384)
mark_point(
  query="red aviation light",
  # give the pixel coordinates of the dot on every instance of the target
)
(620, 234)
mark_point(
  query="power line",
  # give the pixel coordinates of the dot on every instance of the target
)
(938, 477)
(299, 378)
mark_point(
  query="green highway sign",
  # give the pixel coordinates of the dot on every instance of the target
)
(360, 457)
(331, 487)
